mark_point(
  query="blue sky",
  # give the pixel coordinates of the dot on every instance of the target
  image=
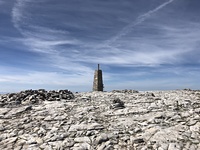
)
(140, 44)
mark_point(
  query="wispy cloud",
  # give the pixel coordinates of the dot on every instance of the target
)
(155, 78)
(172, 46)
(46, 40)
(44, 78)
(17, 13)
(120, 50)
(72, 36)
(143, 49)
(127, 29)
(47, 80)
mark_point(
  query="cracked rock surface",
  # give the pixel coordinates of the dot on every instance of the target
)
(160, 120)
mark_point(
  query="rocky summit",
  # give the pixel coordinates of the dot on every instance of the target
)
(121, 120)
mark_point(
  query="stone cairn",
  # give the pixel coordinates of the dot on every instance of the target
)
(98, 80)
(33, 97)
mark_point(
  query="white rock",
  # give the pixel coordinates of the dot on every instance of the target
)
(174, 146)
(102, 138)
(82, 140)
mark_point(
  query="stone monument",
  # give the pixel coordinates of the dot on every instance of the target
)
(98, 80)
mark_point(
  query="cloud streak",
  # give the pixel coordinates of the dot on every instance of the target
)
(47, 80)
(45, 40)
(48, 41)
(68, 38)
(127, 29)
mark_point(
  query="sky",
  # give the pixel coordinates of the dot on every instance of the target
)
(139, 44)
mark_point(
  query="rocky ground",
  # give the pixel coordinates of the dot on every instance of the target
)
(159, 120)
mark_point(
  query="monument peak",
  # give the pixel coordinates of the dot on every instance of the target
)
(98, 80)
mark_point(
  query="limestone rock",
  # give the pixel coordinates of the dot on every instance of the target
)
(40, 119)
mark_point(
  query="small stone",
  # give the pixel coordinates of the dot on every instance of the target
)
(19, 147)
(68, 142)
(11, 140)
(106, 146)
(32, 141)
(39, 140)
(82, 140)
(117, 103)
(192, 122)
(48, 118)
(174, 146)
(102, 138)
(137, 130)
(81, 146)
(193, 147)
(139, 140)
(2, 128)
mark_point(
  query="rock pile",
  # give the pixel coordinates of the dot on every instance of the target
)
(162, 120)
(125, 91)
(34, 96)
(117, 103)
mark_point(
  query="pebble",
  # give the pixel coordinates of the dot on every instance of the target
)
(102, 138)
